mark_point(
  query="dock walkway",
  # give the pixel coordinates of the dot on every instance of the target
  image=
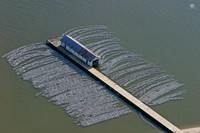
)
(55, 43)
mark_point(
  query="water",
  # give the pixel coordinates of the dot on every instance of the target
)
(163, 32)
(81, 96)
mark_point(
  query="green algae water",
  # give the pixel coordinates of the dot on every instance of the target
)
(163, 32)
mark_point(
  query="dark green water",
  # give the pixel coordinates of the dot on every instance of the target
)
(166, 33)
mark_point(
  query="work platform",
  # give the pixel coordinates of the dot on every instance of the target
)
(154, 116)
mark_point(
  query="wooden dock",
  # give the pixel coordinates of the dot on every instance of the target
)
(154, 116)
